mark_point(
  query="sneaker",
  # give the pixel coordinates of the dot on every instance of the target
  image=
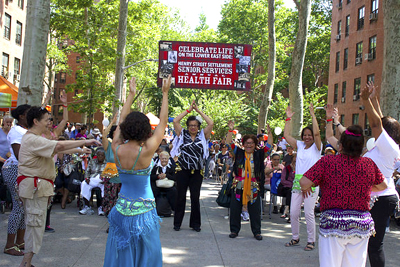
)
(85, 210)
(100, 211)
(48, 229)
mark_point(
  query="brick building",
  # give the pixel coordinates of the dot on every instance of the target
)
(356, 56)
(12, 27)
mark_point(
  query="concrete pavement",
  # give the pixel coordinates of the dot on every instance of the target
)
(79, 240)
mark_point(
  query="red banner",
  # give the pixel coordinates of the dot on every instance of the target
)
(205, 65)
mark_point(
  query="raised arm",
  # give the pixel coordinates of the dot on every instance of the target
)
(329, 130)
(336, 121)
(374, 98)
(287, 132)
(126, 108)
(60, 128)
(63, 146)
(210, 123)
(317, 135)
(154, 141)
(46, 99)
(270, 136)
(106, 131)
(177, 120)
(374, 119)
(231, 125)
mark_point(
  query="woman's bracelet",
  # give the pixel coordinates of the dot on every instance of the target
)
(329, 120)
(231, 131)
(337, 124)
(288, 119)
(65, 106)
(187, 111)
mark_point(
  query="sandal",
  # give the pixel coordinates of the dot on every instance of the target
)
(14, 251)
(292, 242)
(21, 246)
(310, 246)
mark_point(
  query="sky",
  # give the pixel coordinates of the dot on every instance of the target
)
(190, 10)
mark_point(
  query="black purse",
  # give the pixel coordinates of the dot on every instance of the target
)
(75, 179)
(224, 195)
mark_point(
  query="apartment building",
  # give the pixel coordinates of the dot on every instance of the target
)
(12, 26)
(356, 56)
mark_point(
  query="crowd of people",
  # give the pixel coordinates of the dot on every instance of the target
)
(134, 172)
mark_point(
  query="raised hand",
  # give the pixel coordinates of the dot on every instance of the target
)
(329, 111)
(114, 119)
(132, 86)
(367, 91)
(166, 84)
(86, 150)
(63, 97)
(195, 107)
(231, 125)
(289, 112)
(372, 88)
(311, 107)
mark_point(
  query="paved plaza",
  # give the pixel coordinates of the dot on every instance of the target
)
(79, 240)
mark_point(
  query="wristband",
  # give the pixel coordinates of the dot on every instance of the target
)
(187, 111)
(65, 106)
(231, 131)
(329, 120)
(337, 124)
(288, 119)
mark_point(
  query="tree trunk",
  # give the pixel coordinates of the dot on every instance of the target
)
(390, 91)
(296, 72)
(262, 116)
(119, 72)
(35, 47)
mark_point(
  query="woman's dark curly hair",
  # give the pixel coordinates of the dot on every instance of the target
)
(20, 110)
(35, 113)
(112, 130)
(250, 136)
(392, 127)
(352, 145)
(136, 126)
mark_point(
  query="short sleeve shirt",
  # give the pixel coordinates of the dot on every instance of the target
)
(385, 154)
(14, 137)
(36, 160)
(345, 182)
(4, 145)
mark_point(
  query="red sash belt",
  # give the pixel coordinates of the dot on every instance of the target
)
(23, 177)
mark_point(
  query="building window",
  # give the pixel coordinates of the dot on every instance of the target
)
(18, 33)
(347, 30)
(357, 88)
(4, 65)
(342, 119)
(78, 59)
(21, 4)
(359, 49)
(367, 127)
(344, 85)
(361, 16)
(372, 48)
(355, 119)
(17, 66)
(371, 78)
(337, 61)
(63, 77)
(340, 4)
(374, 6)
(76, 92)
(348, 1)
(7, 26)
(345, 58)
(339, 29)
(335, 94)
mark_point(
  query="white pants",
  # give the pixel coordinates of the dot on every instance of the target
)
(86, 189)
(336, 252)
(295, 209)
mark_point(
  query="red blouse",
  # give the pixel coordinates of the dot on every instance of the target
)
(345, 182)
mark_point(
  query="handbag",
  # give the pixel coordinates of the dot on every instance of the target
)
(165, 183)
(68, 168)
(75, 179)
(224, 195)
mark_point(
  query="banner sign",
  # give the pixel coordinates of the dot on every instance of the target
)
(205, 65)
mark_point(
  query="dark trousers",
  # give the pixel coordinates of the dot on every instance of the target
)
(254, 212)
(287, 193)
(381, 212)
(185, 179)
(170, 193)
